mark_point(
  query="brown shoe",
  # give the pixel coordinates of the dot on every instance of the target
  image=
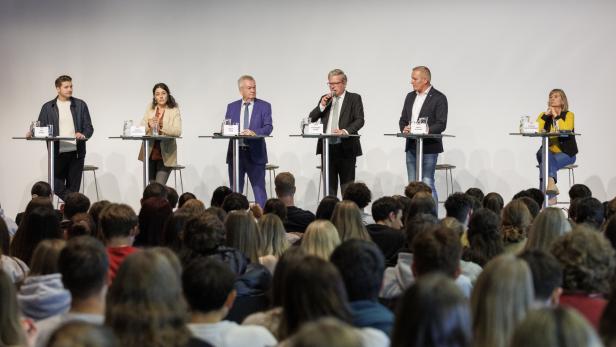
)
(552, 188)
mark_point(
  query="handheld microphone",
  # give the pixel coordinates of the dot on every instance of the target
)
(331, 98)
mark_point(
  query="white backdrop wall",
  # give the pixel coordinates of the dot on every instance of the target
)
(495, 61)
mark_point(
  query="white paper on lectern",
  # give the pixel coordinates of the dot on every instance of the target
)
(315, 128)
(419, 128)
(41, 131)
(230, 129)
(137, 131)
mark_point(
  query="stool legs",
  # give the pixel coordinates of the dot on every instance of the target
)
(320, 180)
(181, 182)
(96, 186)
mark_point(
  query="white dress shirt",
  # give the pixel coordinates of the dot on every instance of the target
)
(250, 107)
(419, 101)
(331, 113)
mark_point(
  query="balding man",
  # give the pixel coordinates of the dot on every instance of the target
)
(424, 102)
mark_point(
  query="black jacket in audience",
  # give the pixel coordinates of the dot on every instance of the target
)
(389, 240)
(298, 219)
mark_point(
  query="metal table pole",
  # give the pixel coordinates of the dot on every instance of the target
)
(544, 168)
(236, 165)
(419, 159)
(325, 166)
(146, 162)
(51, 164)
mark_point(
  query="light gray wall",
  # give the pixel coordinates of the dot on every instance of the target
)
(495, 61)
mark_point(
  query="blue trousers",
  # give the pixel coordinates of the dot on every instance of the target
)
(556, 161)
(256, 175)
(428, 168)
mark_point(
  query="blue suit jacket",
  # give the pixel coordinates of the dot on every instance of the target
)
(260, 123)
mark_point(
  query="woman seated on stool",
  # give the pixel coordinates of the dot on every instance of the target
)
(562, 149)
(162, 117)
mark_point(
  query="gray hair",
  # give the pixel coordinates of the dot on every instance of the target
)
(425, 71)
(244, 78)
(337, 72)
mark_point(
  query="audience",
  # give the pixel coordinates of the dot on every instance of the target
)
(119, 225)
(272, 242)
(475, 193)
(589, 211)
(95, 213)
(193, 206)
(320, 239)
(326, 207)
(219, 195)
(82, 334)
(172, 235)
(326, 332)
(15, 268)
(550, 224)
(484, 238)
(152, 218)
(74, 203)
(296, 219)
(242, 233)
(361, 265)
(493, 201)
(41, 190)
(533, 207)
(460, 207)
(347, 219)
(12, 328)
(386, 232)
(547, 277)
(277, 207)
(433, 312)
(515, 221)
(588, 262)
(172, 197)
(154, 190)
(360, 194)
(422, 202)
(416, 187)
(184, 198)
(40, 222)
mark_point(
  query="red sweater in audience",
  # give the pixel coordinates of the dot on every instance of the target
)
(116, 257)
(589, 305)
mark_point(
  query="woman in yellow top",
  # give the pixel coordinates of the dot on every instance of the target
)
(162, 115)
(562, 149)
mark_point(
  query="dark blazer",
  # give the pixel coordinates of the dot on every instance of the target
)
(351, 119)
(435, 109)
(260, 123)
(81, 120)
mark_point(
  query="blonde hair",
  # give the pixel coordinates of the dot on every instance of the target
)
(347, 219)
(326, 331)
(515, 221)
(550, 224)
(501, 297)
(337, 72)
(563, 97)
(272, 238)
(425, 71)
(320, 239)
(555, 327)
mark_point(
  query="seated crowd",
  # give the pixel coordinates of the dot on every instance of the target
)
(356, 272)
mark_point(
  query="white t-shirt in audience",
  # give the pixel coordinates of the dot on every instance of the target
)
(231, 334)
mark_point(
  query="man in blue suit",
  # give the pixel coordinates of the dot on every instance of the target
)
(255, 118)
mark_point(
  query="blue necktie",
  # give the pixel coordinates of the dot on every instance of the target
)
(246, 116)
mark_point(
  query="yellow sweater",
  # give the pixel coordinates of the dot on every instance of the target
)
(566, 124)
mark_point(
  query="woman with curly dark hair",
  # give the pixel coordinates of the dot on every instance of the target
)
(515, 221)
(484, 238)
(588, 261)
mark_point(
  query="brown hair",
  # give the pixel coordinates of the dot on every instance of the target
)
(563, 96)
(347, 219)
(117, 220)
(45, 257)
(415, 187)
(61, 79)
(242, 233)
(515, 221)
(11, 331)
(438, 250)
(284, 184)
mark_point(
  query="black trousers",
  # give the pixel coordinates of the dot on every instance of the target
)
(67, 173)
(341, 168)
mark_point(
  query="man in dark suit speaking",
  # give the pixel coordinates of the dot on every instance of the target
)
(346, 112)
(424, 102)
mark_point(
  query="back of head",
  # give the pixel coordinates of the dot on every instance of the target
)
(326, 207)
(272, 238)
(536, 195)
(589, 211)
(5, 237)
(433, 312)
(501, 297)
(154, 190)
(550, 224)
(579, 191)
(277, 207)
(82, 334)
(211, 276)
(588, 260)
(359, 193)
(172, 197)
(194, 206)
(347, 219)
(531, 204)
(484, 237)
(546, 271)
(515, 221)
(242, 233)
(422, 203)
(286, 261)
(383, 207)
(41, 189)
(284, 184)
(475, 193)
(75, 203)
(82, 224)
(140, 310)
(153, 215)
(219, 195)
(83, 264)
(118, 220)
(418, 224)
(174, 227)
(416, 187)
(437, 250)
(95, 213)
(45, 257)
(361, 264)
(326, 332)
(235, 202)
(185, 197)
(203, 234)
(610, 231)
(313, 289)
(320, 239)
(555, 327)
(493, 201)
(40, 222)
(405, 202)
(459, 205)
(11, 329)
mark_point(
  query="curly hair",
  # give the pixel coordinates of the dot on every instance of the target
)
(516, 219)
(484, 237)
(588, 260)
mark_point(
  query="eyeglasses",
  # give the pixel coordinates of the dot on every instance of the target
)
(333, 83)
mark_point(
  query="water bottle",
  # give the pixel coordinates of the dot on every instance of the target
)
(155, 128)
